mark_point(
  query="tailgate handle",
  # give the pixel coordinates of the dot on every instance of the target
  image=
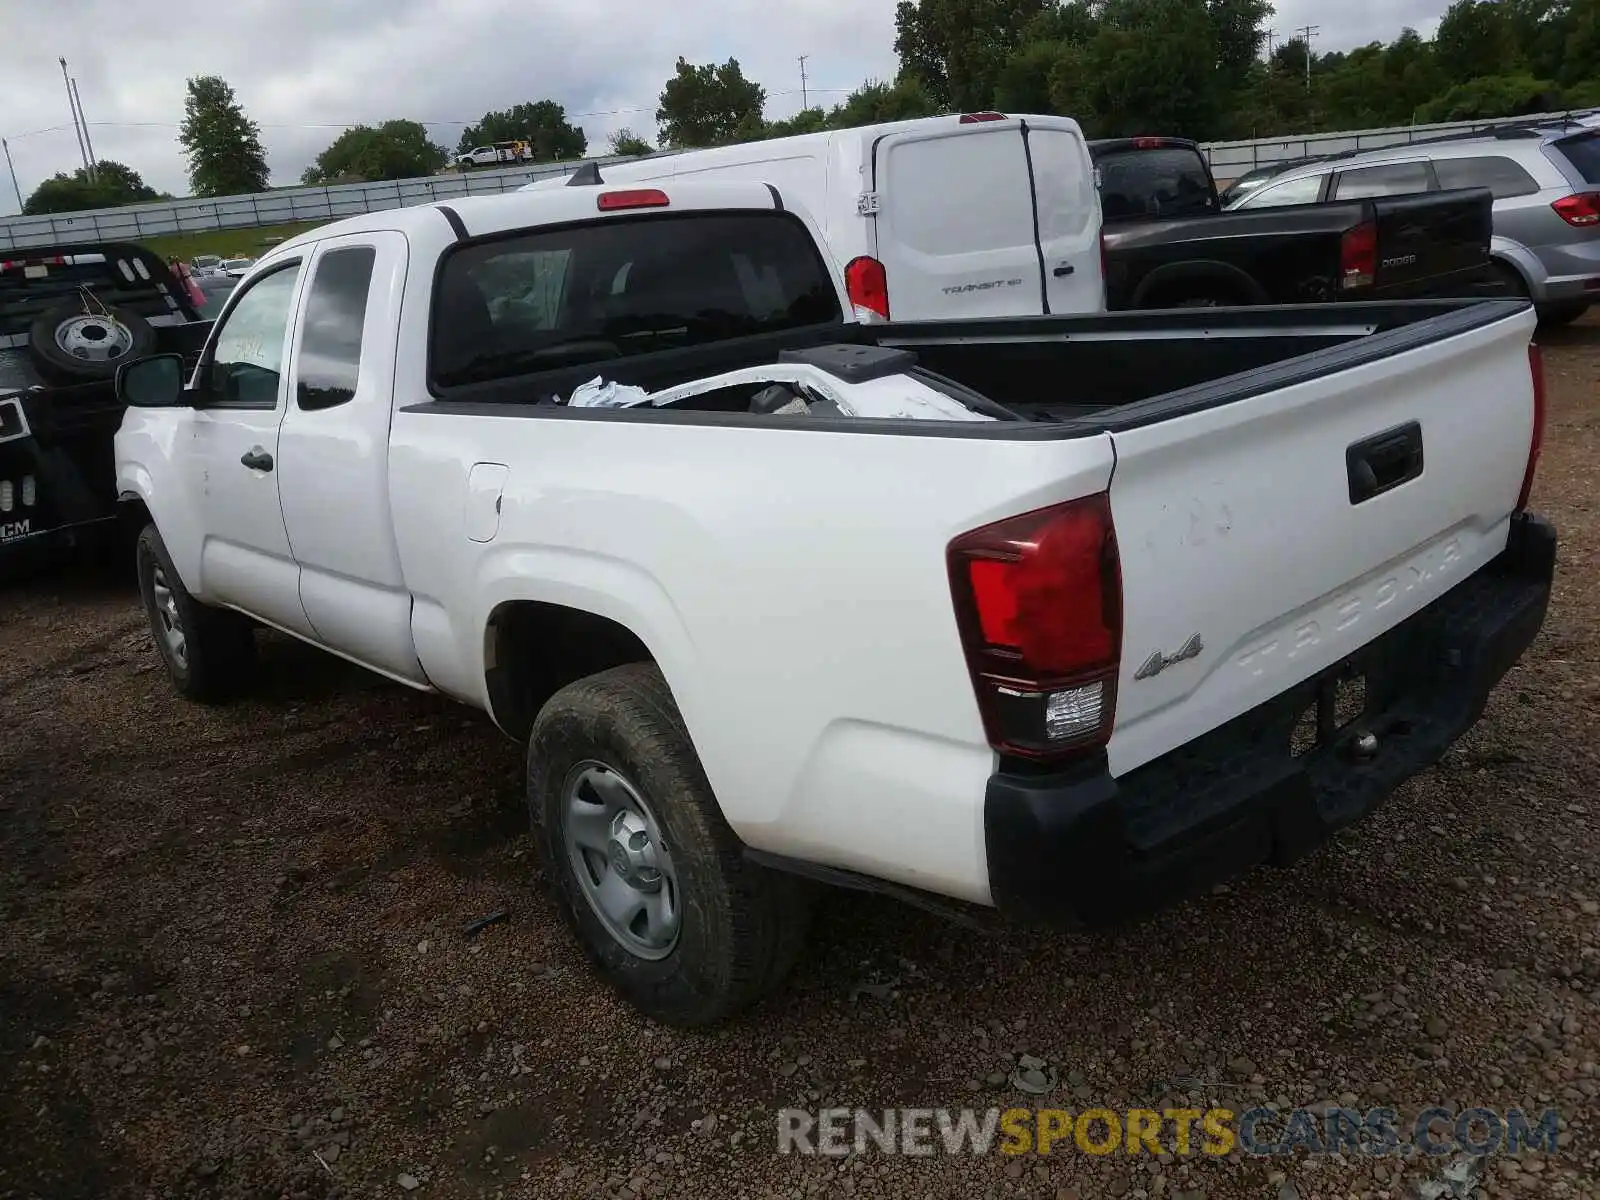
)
(1384, 461)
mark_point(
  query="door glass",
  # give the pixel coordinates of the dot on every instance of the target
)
(247, 361)
(336, 313)
(1064, 180)
(1295, 191)
(961, 195)
(1499, 174)
(1390, 179)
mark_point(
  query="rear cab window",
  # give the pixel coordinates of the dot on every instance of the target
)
(1159, 181)
(551, 298)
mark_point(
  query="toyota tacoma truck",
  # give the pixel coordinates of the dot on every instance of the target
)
(69, 316)
(1168, 242)
(1064, 617)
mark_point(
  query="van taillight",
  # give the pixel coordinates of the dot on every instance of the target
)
(1536, 369)
(973, 118)
(868, 288)
(1038, 602)
(1358, 256)
(1581, 209)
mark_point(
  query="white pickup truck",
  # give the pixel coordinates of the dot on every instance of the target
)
(1062, 616)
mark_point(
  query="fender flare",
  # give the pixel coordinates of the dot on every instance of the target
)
(1209, 270)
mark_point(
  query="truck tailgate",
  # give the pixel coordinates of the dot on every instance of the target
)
(1431, 237)
(1265, 538)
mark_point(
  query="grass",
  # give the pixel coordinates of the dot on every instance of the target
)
(228, 243)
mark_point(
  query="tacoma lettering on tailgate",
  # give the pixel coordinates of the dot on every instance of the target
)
(1348, 610)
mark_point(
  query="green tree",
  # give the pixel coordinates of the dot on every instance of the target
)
(393, 150)
(710, 105)
(958, 48)
(1152, 68)
(625, 141)
(112, 186)
(1240, 29)
(1492, 96)
(542, 124)
(1475, 40)
(223, 145)
(807, 120)
(875, 102)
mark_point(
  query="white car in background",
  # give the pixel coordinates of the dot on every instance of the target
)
(237, 268)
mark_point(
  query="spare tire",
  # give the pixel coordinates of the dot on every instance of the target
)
(75, 344)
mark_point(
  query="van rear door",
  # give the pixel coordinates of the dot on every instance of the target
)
(955, 222)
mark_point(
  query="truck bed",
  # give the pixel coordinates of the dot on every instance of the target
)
(1081, 375)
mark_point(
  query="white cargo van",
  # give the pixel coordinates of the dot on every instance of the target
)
(979, 215)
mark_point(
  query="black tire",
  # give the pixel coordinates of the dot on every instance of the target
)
(741, 926)
(133, 335)
(1552, 316)
(218, 658)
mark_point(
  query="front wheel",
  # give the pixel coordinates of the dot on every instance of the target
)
(649, 875)
(209, 653)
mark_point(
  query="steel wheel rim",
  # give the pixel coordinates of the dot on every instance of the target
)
(620, 859)
(172, 634)
(94, 338)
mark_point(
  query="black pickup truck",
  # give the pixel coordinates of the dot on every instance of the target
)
(70, 315)
(1169, 244)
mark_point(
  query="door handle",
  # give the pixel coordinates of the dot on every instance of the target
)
(256, 459)
(1384, 461)
(1063, 269)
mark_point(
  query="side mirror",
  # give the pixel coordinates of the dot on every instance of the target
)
(153, 382)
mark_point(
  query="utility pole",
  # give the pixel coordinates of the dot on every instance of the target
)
(805, 100)
(1307, 31)
(94, 163)
(73, 105)
(6, 146)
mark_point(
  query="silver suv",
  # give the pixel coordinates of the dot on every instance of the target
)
(1546, 184)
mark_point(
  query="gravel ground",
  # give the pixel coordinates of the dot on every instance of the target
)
(232, 958)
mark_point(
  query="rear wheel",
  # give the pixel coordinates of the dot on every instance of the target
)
(1552, 315)
(648, 873)
(209, 652)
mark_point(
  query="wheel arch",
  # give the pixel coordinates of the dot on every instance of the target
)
(1186, 275)
(534, 648)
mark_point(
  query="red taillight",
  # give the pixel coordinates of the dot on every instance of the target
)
(974, 118)
(633, 198)
(1536, 369)
(1147, 143)
(1358, 256)
(868, 288)
(1581, 209)
(1039, 605)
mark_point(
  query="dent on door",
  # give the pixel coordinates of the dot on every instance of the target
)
(486, 484)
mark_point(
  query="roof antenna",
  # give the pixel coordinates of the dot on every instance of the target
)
(587, 175)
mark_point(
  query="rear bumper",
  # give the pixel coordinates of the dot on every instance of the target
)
(1089, 848)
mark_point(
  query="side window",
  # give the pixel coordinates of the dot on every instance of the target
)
(1307, 190)
(247, 357)
(330, 340)
(1389, 179)
(1500, 175)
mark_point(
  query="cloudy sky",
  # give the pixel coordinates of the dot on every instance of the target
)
(305, 68)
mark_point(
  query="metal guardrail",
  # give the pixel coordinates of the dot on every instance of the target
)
(1232, 159)
(289, 205)
(281, 207)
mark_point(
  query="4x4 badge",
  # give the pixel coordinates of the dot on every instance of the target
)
(1159, 662)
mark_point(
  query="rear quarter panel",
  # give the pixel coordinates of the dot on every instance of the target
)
(791, 584)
